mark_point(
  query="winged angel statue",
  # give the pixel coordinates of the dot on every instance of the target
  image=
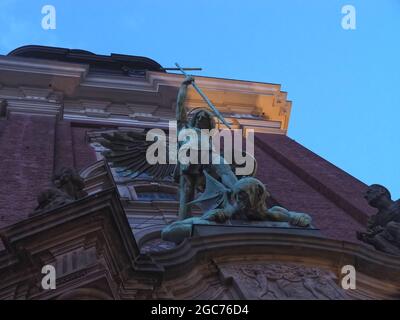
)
(214, 187)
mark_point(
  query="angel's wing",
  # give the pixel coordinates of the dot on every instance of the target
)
(214, 196)
(127, 152)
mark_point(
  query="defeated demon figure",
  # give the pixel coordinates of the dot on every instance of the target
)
(244, 200)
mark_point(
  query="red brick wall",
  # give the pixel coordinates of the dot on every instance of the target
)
(31, 148)
(83, 153)
(302, 181)
(72, 148)
(27, 161)
(64, 147)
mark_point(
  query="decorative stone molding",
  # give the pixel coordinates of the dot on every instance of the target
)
(32, 100)
(376, 273)
(140, 108)
(41, 66)
(35, 107)
(234, 98)
(141, 116)
(96, 113)
(157, 90)
(60, 76)
(36, 93)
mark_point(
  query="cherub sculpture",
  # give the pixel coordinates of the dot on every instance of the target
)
(383, 229)
(67, 186)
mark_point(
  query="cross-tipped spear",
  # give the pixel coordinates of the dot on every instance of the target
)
(201, 93)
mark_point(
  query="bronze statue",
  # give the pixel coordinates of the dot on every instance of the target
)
(213, 186)
(383, 228)
(127, 152)
(226, 196)
(191, 176)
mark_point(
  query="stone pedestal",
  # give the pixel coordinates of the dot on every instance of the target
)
(238, 226)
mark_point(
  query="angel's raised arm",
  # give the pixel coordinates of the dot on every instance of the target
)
(181, 112)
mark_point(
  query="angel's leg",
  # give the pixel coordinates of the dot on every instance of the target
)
(186, 194)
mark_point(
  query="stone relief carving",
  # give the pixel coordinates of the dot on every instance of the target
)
(284, 281)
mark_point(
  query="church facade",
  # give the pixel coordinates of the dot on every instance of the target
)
(103, 241)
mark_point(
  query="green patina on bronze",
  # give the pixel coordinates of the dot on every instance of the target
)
(225, 196)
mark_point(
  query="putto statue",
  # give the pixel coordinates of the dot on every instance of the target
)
(383, 229)
(67, 187)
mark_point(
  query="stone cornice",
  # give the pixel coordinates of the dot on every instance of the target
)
(32, 100)
(117, 98)
(217, 84)
(232, 97)
(63, 77)
(44, 67)
(43, 108)
(153, 81)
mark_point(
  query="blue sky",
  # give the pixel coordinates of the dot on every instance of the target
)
(344, 84)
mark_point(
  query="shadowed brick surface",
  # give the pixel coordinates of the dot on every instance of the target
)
(31, 148)
(27, 160)
(302, 181)
(64, 148)
(83, 153)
